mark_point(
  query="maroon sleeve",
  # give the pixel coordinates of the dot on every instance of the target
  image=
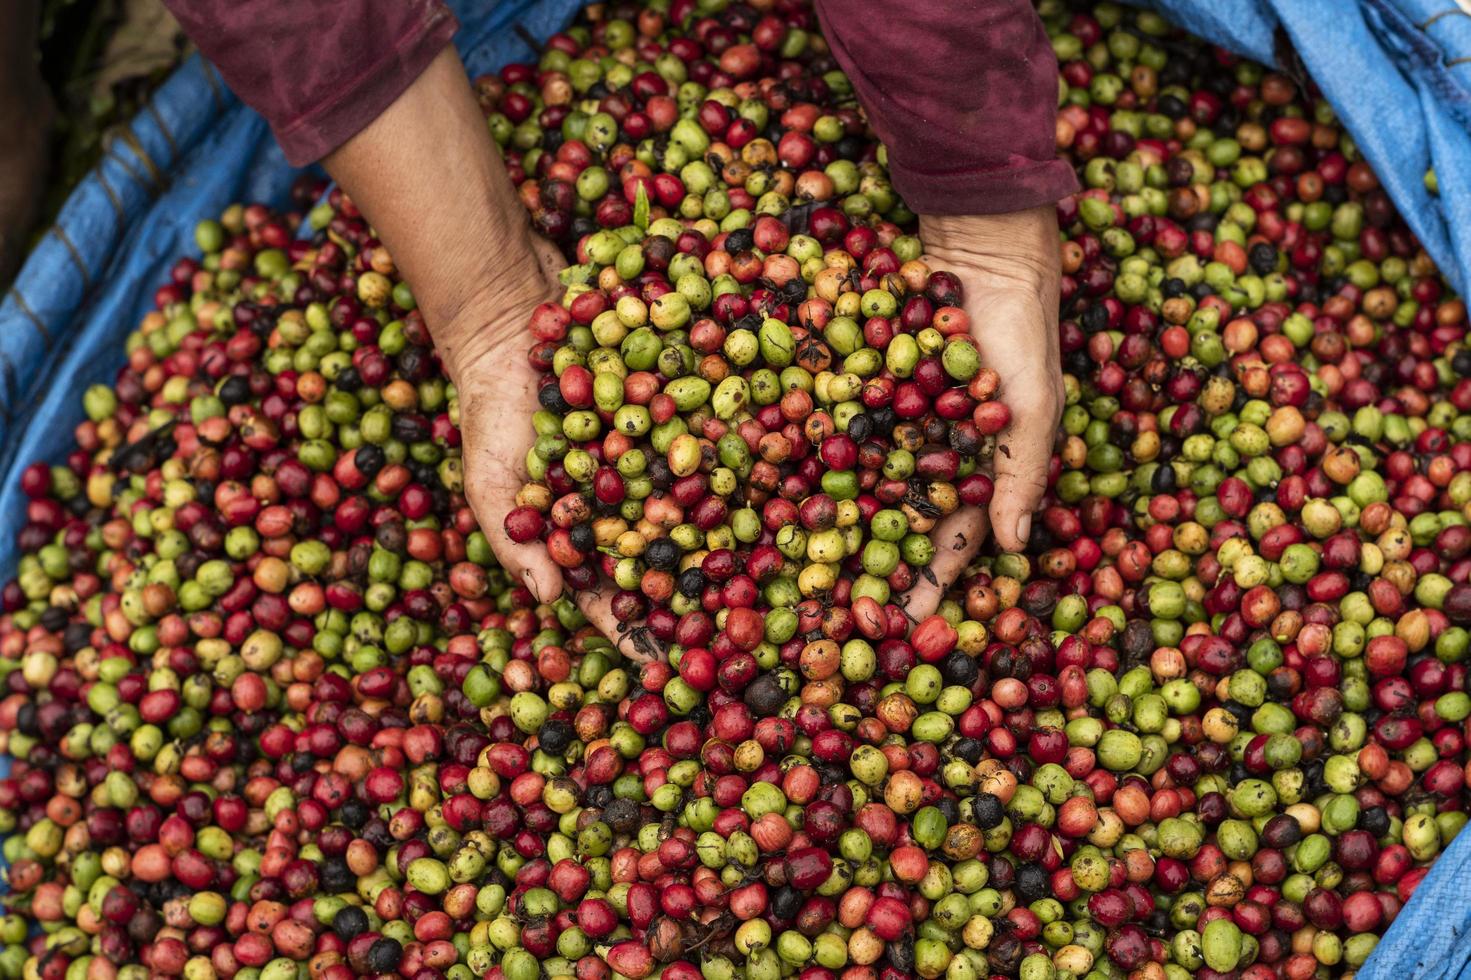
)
(964, 95)
(318, 70)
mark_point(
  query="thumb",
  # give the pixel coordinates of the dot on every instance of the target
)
(957, 538)
(538, 573)
(635, 642)
(552, 262)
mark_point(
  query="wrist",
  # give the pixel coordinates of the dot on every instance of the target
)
(1021, 246)
(480, 311)
(482, 332)
(500, 279)
(989, 234)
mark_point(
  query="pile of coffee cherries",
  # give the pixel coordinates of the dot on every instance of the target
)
(274, 710)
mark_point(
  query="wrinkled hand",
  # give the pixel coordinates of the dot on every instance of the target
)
(1009, 266)
(497, 387)
(429, 178)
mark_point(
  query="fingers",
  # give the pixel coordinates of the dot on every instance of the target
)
(532, 566)
(633, 640)
(495, 426)
(597, 605)
(957, 538)
(1019, 339)
(1023, 453)
(529, 563)
(490, 488)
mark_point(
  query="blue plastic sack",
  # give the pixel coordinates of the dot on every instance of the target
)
(1428, 939)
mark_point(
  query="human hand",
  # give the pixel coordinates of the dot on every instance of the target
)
(484, 354)
(1009, 265)
(496, 386)
(428, 177)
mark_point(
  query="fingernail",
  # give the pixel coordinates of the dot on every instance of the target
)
(531, 586)
(1024, 528)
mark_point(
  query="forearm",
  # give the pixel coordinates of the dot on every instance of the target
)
(375, 88)
(427, 176)
(963, 94)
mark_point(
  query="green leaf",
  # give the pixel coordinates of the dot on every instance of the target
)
(578, 275)
(641, 208)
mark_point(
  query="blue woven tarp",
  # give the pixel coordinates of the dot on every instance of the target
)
(1428, 941)
(1397, 71)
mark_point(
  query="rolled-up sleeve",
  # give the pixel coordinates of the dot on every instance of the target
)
(317, 70)
(964, 95)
